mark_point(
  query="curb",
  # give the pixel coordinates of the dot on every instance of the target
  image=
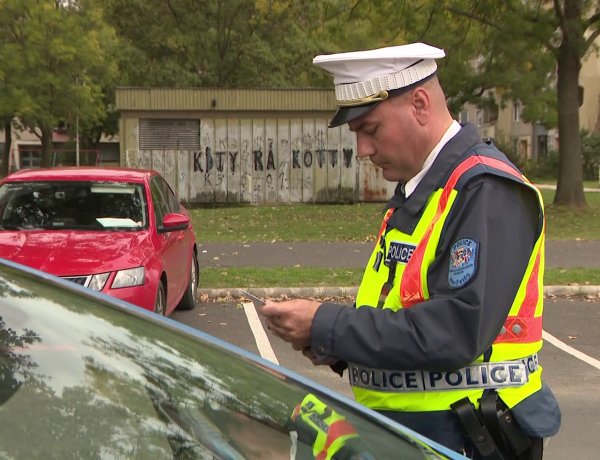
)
(320, 292)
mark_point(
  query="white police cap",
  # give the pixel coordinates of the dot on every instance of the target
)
(364, 78)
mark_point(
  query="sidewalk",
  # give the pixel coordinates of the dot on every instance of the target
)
(563, 254)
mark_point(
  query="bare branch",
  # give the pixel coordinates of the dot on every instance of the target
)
(475, 17)
(592, 20)
(428, 25)
(591, 39)
(173, 12)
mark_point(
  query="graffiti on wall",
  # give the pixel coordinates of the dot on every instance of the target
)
(261, 161)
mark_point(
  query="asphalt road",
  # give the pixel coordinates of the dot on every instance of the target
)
(570, 358)
(564, 254)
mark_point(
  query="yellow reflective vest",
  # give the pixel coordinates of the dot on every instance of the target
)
(519, 339)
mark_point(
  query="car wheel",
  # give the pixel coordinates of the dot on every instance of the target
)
(160, 304)
(188, 301)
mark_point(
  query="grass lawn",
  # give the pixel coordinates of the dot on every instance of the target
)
(249, 277)
(355, 222)
(569, 224)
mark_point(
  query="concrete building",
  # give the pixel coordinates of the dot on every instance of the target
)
(246, 145)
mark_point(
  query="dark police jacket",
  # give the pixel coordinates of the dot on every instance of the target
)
(504, 217)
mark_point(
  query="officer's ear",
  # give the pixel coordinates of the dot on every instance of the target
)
(420, 100)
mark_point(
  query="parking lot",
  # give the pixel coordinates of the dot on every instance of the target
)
(570, 359)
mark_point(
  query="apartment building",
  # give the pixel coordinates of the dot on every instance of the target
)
(533, 141)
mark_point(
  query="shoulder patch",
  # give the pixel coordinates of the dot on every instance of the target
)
(463, 262)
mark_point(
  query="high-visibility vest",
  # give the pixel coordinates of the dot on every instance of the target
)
(329, 431)
(521, 335)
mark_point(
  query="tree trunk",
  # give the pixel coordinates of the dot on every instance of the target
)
(7, 145)
(46, 139)
(569, 189)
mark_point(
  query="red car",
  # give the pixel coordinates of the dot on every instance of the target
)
(119, 231)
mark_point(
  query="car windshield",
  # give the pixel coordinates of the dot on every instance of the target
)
(72, 205)
(81, 378)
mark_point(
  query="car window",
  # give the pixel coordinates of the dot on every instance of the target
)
(170, 197)
(72, 205)
(159, 200)
(95, 381)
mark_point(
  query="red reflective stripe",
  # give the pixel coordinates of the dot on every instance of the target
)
(296, 412)
(532, 293)
(521, 330)
(411, 287)
(336, 430)
(387, 216)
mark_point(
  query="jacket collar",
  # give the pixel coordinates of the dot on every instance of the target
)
(454, 150)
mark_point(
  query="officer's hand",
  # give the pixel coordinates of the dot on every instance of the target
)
(291, 320)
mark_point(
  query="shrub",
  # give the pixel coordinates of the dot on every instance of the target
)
(590, 152)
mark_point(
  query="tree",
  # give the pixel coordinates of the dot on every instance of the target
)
(529, 51)
(56, 54)
(564, 30)
(220, 43)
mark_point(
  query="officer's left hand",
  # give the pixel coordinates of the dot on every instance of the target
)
(291, 320)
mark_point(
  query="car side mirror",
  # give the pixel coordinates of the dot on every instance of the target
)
(173, 222)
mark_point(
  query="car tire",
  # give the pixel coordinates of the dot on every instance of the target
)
(188, 301)
(160, 304)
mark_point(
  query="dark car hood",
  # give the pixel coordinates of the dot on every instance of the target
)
(67, 253)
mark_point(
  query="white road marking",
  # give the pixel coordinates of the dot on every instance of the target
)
(266, 351)
(572, 351)
(260, 336)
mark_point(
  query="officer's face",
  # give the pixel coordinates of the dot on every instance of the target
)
(392, 137)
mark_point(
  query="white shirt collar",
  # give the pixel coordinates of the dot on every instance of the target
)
(411, 185)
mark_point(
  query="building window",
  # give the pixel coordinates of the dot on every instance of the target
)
(166, 134)
(516, 112)
(523, 149)
(479, 117)
(463, 117)
(30, 158)
(542, 146)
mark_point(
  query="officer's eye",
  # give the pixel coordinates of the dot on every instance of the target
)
(369, 129)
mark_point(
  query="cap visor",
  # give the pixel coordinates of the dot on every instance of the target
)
(347, 114)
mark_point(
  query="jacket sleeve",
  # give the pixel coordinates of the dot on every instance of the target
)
(454, 326)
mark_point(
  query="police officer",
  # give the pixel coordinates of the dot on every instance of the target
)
(447, 324)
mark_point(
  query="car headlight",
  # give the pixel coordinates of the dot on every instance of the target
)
(130, 277)
(97, 282)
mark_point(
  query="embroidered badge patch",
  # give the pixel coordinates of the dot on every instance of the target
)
(463, 262)
(400, 252)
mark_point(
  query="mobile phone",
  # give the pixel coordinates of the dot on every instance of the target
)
(257, 301)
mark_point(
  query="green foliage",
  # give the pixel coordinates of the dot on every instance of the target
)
(509, 149)
(57, 62)
(232, 43)
(542, 168)
(60, 59)
(591, 155)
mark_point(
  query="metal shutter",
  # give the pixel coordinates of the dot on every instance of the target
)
(165, 134)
